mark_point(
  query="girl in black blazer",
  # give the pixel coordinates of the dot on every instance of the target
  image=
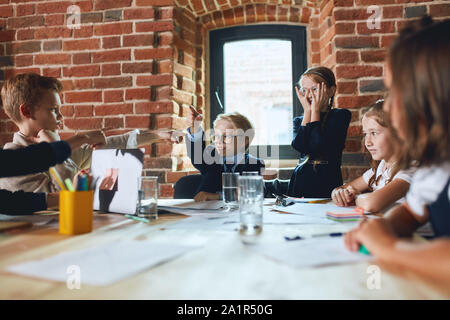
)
(319, 136)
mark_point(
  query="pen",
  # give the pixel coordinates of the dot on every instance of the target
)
(58, 179)
(333, 234)
(82, 182)
(137, 218)
(319, 201)
(85, 183)
(363, 250)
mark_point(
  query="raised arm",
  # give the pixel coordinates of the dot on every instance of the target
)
(21, 203)
(32, 159)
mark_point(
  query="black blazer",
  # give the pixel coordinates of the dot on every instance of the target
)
(319, 141)
(32, 159)
(211, 168)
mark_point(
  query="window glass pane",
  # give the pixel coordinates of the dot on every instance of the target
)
(258, 84)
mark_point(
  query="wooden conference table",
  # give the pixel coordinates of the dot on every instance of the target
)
(223, 268)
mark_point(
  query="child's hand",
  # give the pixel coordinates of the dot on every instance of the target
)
(350, 239)
(194, 119)
(205, 196)
(303, 99)
(175, 136)
(44, 136)
(344, 197)
(376, 235)
(320, 98)
(96, 138)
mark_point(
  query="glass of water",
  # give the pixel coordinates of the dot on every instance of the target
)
(230, 190)
(147, 202)
(250, 173)
(251, 200)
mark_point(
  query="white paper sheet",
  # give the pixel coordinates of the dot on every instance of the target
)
(129, 163)
(191, 208)
(229, 223)
(286, 218)
(104, 264)
(313, 209)
(191, 204)
(311, 252)
(270, 217)
(35, 219)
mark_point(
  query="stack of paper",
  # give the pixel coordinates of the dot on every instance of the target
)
(346, 214)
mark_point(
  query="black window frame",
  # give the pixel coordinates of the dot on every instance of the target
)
(218, 38)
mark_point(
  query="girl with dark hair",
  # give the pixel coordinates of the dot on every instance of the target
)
(418, 78)
(384, 183)
(319, 136)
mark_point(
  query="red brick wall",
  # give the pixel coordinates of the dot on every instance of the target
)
(338, 37)
(140, 63)
(117, 69)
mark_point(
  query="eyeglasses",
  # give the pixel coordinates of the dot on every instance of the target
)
(305, 90)
(226, 138)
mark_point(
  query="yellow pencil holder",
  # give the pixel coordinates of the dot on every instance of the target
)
(75, 212)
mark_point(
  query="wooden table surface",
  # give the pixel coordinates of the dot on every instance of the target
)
(224, 268)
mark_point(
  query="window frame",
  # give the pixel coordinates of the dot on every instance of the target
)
(217, 40)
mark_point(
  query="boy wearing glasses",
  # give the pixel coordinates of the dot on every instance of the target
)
(228, 151)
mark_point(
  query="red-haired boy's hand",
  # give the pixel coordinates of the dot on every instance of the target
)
(175, 136)
(44, 136)
(96, 138)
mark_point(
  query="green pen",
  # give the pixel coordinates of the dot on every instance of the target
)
(137, 218)
(364, 250)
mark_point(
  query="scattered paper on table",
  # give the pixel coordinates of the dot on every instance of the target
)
(229, 223)
(311, 252)
(104, 264)
(191, 208)
(313, 209)
(271, 217)
(35, 219)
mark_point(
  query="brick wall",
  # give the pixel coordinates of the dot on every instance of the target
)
(140, 63)
(338, 37)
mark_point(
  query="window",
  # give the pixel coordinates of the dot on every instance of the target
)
(253, 71)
